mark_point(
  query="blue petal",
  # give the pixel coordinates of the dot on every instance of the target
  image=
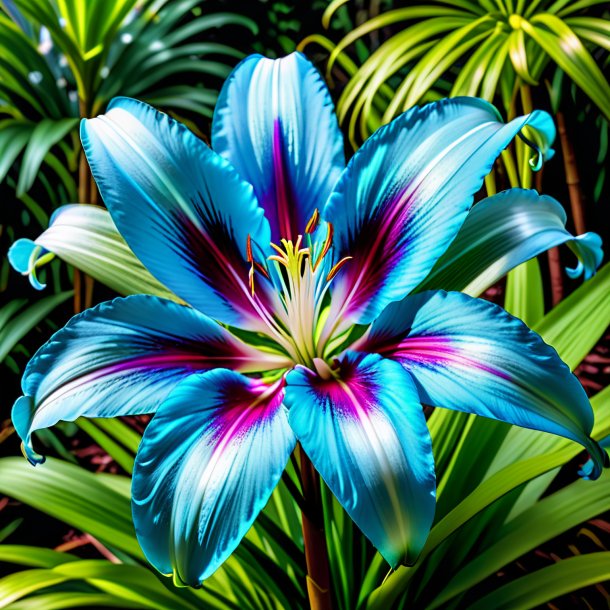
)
(405, 194)
(121, 358)
(504, 231)
(275, 122)
(182, 208)
(588, 250)
(207, 465)
(470, 355)
(366, 434)
(24, 255)
(589, 467)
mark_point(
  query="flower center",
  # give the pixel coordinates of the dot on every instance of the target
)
(302, 273)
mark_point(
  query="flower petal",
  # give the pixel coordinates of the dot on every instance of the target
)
(275, 122)
(366, 434)
(123, 357)
(405, 194)
(470, 355)
(84, 235)
(207, 465)
(182, 208)
(504, 231)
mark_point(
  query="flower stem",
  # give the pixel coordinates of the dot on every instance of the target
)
(316, 553)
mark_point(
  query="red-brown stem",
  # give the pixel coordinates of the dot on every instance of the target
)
(316, 553)
(572, 175)
(555, 270)
(87, 193)
(556, 275)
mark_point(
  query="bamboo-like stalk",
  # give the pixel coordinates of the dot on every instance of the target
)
(87, 193)
(572, 175)
(316, 553)
(555, 271)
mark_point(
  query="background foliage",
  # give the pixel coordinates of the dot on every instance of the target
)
(507, 511)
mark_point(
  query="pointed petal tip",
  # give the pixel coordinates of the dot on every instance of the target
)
(598, 460)
(24, 256)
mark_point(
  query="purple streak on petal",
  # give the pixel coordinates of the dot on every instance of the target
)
(378, 251)
(437, 351)
(246, 407)
(283, 199)
(219, 264)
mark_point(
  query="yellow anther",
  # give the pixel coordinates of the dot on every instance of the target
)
(337, 267)
(312, 224)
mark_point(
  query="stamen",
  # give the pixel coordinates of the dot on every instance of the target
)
(297, 311)
(337, 267)
(281, 252)
(249, 256)
(251, 279)
(328, 242)
(262, 270)
(312, 224)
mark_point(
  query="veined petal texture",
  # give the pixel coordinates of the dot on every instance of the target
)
(504, 231)
(182, 208)
(122, 358)
(208, 463)
(276, 123)
(366, 434)
(405, 194)
(84, 235)
(470, 355)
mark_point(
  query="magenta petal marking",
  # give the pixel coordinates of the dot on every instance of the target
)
(284, 201)
(438, 351)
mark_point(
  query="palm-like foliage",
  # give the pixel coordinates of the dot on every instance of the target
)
(468, 47)
(65, 59)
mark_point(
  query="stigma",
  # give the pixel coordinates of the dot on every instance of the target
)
(301, 272)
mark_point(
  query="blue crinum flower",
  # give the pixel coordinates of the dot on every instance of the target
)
(300, 325)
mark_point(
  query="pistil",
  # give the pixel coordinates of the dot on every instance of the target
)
(301, 275)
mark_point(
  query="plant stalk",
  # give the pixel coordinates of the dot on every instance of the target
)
(572, 175)
(554, 259)
(316, 553)
(87, 193)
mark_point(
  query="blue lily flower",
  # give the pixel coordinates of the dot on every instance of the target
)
(301, 325)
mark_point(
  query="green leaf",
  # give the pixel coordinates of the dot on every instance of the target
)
(566, 49)
(14, 136)
(524, 293)
(15, 329)
(483, 496)
(575, 325)
(113, 449)
(69, 600)
(45, 135)
(73, 495)
(18, 585)
(549, 583)
(576, 503)
(33, 556)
